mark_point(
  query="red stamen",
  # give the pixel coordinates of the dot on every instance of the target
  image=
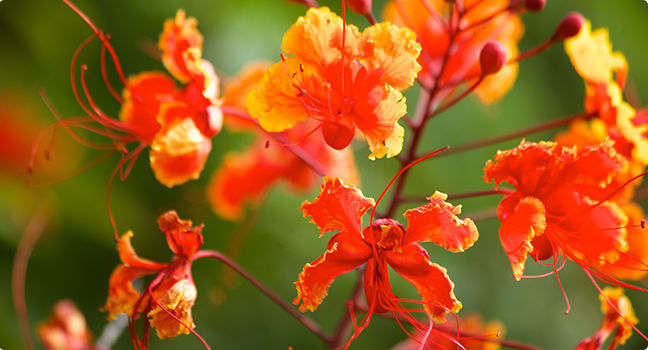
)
(104, 75)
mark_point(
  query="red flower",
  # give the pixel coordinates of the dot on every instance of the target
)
(385, 243)
(556, 206)
(177, 123)
(173, 289)
(355, 87)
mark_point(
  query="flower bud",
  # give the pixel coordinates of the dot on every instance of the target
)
(492, 58)
(534, 5)
(570, 26)
(361, 7)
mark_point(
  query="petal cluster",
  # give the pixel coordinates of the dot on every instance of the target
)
(65, 329)
(351, 87)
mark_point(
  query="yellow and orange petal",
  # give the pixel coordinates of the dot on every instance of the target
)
(344, 253)
(315, 39)
(592, 56)
(181, 46)
(437, 222)
(381, 129)
(337, 207)
(633, 263)
(179, 151)
(390, 54)
(122, 297)
(177, 296)
(65, 329)
(276, 103)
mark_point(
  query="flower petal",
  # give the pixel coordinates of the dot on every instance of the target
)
(183, 239)
(338, 207)
(379, 123)
(344, 253)
(181, 46)
(128, 256)
(431, 280)
(177, 296)
(592, 56)
(527, 221)
(179, 150)
(436, 222)
(122, 297)
(393, 56)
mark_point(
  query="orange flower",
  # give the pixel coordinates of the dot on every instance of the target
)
(385, 243)
(556, 206)
(451, 59)
(177, 123)
(622, 318)
(173, 290)
(357, 90)
(592, 56)
(66, 329)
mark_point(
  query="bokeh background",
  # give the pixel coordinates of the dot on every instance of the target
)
(76, 253)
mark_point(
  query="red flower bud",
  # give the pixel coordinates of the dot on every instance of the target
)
(360, 6)
(492, 58)
(534, 5)
(570, 26)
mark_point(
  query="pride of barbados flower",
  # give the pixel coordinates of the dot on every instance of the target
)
(560, 204)
(347, 80)
(172, 293)
(384, 243)
(178, 124)
(66, 329)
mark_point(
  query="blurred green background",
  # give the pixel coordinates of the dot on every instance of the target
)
(76, 253)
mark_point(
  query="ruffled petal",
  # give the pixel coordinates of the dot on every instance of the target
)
(431, 280)
(393, 56)
(236, 91)
(338, 207)
(315, 39)
(344, 253)
(179, 150)
(379, 123)
(177, 297)
(632, 264)
(437, 222)
(518, 230)
(181, 46)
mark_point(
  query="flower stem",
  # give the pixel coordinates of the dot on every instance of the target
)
(303, 319)
(516, 134)
(32, 233)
